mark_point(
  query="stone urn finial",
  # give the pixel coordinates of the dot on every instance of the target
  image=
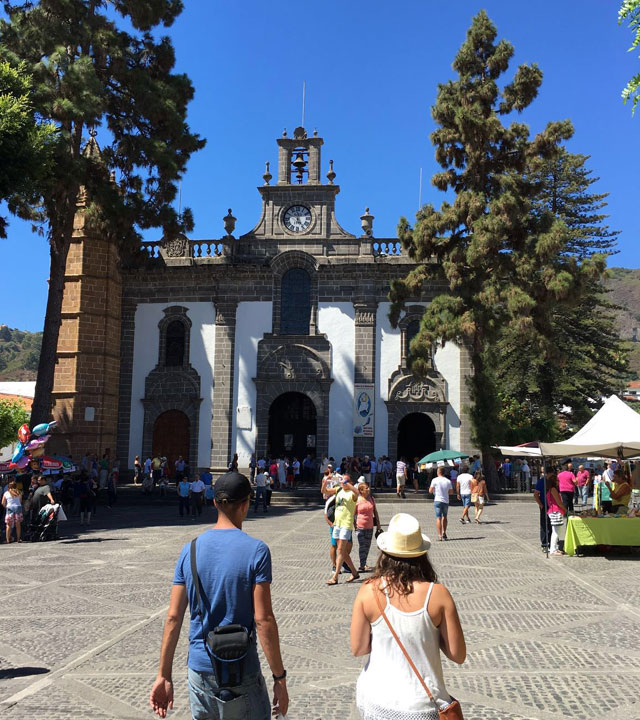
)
(267, 175)
(229, 223)
(367, 223)
(331, 176)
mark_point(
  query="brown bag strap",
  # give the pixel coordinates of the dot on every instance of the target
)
(397, 639)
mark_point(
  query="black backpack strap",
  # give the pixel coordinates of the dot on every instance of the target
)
(196, 584)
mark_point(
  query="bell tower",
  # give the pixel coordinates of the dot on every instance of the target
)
(298, 211)
(85, 388)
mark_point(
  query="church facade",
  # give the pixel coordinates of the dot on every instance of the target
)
(275, 342)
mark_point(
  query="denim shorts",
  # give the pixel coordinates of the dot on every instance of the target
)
(441, 508)
(340, 533)
(251, 701)
(334, 542)
(466, 500)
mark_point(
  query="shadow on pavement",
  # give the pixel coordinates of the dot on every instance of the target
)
(8, 673)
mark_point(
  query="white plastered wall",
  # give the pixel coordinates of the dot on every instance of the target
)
(388, 356)
(253, 320)
(146, 345)
(337, 322)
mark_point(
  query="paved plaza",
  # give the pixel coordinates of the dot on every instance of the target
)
(546, 638)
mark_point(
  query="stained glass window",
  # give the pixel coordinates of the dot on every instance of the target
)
(295, 301)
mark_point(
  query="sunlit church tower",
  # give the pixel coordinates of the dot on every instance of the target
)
(276, 341)
(85, 391)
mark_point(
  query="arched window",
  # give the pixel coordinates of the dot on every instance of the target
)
(295, 307)
(413, 328)
(175, 344)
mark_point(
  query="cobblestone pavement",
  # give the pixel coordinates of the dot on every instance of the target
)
(546, 638)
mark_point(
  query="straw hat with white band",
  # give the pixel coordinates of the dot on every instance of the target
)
(403, 539)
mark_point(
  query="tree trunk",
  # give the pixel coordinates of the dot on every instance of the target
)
(41, 408)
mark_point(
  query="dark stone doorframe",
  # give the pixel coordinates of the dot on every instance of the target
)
(396, 411)
(269, 390)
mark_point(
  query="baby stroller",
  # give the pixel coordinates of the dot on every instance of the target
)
(44, 524)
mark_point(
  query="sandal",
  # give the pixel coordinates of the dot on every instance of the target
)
(333, 581)
(353, 578)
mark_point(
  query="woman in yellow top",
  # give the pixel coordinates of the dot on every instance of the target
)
(346, 498)
(620, 492)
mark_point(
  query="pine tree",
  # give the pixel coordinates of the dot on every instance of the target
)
(585, 359)
(630, 12)
(96, 62)
(26, 145)
(500, 257)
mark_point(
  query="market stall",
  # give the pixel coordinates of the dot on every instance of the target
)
(614, 432)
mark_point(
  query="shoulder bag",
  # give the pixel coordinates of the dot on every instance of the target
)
(226, 645)
(452, 711)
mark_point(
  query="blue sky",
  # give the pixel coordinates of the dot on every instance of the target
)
(371, 71)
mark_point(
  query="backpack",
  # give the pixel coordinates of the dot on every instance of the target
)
(331, 509)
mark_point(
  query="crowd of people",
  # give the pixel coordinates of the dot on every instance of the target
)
(559, 490)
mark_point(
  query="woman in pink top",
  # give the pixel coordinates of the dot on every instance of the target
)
(555, 510)
(366, 515)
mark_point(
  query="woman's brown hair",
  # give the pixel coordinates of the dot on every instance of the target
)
(550, 481)
(401, 573)
(13, 488)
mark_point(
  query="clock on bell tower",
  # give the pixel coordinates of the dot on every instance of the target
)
(298, 211)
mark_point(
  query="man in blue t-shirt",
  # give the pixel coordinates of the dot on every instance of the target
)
(235, 578)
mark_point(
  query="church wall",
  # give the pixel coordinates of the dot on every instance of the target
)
(253, 320)
(447, 361)
(145, 359)
(388, 356)
(337, 322)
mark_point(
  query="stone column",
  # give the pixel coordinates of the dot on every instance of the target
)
(221, 422)
(365, 363)
(465, 401)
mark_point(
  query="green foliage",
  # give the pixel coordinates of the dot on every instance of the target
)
(500, 259)
(635, 405)
(630, 11)
(101, 63)
(26, 144)
(19, 354)
(12, 416)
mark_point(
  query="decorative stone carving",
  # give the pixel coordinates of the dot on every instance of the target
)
(293, 362)
(225, 313)
(176, 246)
(404, 387)
(365, 315)
(287, 369)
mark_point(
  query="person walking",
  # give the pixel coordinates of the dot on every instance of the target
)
(366, 516)
(583, 479)
(401, 477)
(261, 491)
(13, 517)
(231, 587)
(346, 496)
(137, 471)
(184, 493)
(556, 511)
(441, 489)
(463, 488)
(479, 494)
(403, 618)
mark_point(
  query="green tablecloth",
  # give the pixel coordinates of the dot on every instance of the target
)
(601, 531)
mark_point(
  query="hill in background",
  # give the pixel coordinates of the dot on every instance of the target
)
(19, 354)
(624, 287)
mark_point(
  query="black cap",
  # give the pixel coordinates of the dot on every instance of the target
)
(232, 486)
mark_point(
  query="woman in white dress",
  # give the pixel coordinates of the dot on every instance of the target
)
(424, 617)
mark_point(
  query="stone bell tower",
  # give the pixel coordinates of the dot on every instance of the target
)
(85, 390)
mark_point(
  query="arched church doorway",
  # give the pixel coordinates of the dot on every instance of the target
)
(416, 436)
(292, 426)
(171, 437)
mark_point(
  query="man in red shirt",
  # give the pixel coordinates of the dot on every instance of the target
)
(566, 485)
(583, 479)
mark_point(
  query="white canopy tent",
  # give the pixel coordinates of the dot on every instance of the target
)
(519, 451)
(614, 431)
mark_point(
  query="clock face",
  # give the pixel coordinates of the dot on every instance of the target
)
(297, 218)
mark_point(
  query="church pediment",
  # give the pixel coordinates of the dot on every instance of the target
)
(295, 362)
(406, 387)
